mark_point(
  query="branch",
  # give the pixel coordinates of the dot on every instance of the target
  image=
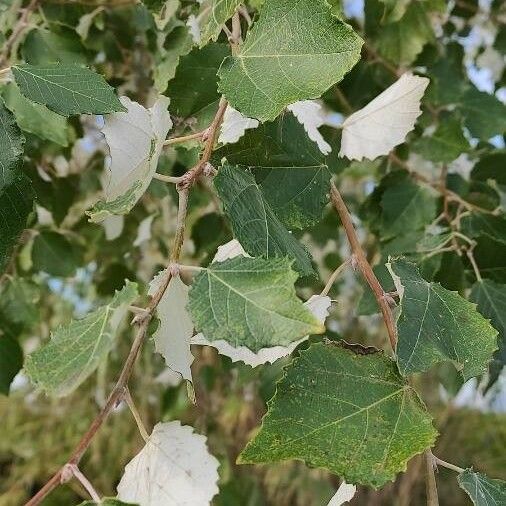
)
(141, 321)
(185, 138)
(443, 463)
(430, 480)
(17, 31)
(335, 275)
(363, 264)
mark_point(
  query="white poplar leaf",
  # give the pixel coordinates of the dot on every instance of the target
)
(173, 335)
(194, 28)
(229, 250)
(234, 126)
(135, 139)
(113, 226)
(174, 468)
(319, 306)
(144, 230)
(385, 121)
(310, 115)
(344, 493)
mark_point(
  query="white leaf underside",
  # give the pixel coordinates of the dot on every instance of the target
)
(317, 304)
(172, 337)
(310, 115)
(385, 121)
(344, 493)
(234, 126)
(135, 139)
(174, 468)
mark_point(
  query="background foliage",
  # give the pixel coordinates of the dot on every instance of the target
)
(437, 199)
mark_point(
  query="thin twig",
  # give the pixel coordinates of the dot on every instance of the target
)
(363, 264)
(72, 470)
(430, 480)
(185, 138)
(443, 463)
(17, 31)
(470, 255)
(135, 413)
(167, 179)
(334, 276)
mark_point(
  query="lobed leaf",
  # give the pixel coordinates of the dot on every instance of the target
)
(437, 325)
(345, 410)
(250, 302)
(295, 51)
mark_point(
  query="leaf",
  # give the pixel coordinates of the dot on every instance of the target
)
(34, 118)
(405, 206)
(254, 223)
(484, 114)
(319, 305)
(54, 254)
(220, 11)
(295, 51)
(385, 121)
(348, 412)
(200, 99)
(75, 351)
(66, 88)
(288, 167)
(250, 302)
(437, 325)
(401, 42)
(11, 361)
(229, 250)
(135, 140)
(16, 195)
(234, 126)
(310, 115)
(144, 230)
(344, 493)
(172, 337)
(175, 468)
(490, 298)
(445, 144)
(482, 490)
(478, 224)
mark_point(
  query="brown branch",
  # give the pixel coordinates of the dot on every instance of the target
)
(430, 480)
(141, 321)
(363, 264)
(17, 31)
(185, 138)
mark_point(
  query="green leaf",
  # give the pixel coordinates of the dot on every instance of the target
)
(43, 46)
(345, 410)
(250, 302)
(437, 325)
(401, 42)
(405, 206)
(445, 144)
(490, 297)
(478, 224)
(491, 166)
(75, 351)
(16, 195)
(288, 166)
(11, 361)
(220, 11)
(482, 490)
(296, 50)
(35, 118)
(484, 114)
(490, 256)
(19, 302)
(53, 253)
(193, 91)
(66, 88)
(254, 223)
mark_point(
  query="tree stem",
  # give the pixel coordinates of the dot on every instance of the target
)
(135, 413)
(363, 264)
(185, 138)
(430, 480)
